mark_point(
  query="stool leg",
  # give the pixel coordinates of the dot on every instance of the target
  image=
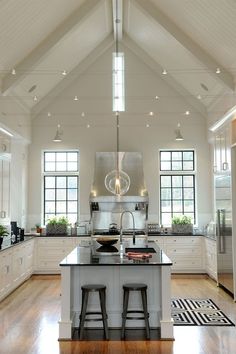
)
(83, 312)
(146, 314)
(102, 297)
(124, 314)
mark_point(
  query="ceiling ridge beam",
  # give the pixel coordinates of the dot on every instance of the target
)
(205, 58)
(73, 75)
(117, 13)
(29, 63)
(154, 66)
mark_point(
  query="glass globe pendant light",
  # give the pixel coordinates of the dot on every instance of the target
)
(117, 181)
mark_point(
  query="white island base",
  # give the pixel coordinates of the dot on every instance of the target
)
(157, 278)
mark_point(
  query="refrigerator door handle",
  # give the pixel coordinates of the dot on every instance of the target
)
(220, 224)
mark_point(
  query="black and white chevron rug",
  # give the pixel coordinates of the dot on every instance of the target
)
(198, 312)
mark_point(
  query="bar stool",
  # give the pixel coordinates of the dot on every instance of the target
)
(143, 289)
(86, 289)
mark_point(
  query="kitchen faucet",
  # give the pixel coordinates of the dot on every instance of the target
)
(121, 227)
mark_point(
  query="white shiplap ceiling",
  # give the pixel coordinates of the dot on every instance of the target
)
(189, 38)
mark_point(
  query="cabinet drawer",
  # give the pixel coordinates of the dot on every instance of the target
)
(55, 242)
(184, 251)
(192, 263)
(186, 240)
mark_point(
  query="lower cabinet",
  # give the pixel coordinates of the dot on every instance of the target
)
(185, 252)
(50, 251)
(210, 257)
(16, 265)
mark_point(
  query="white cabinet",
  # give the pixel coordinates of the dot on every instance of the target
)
(185, 253)
(5, 272)
(4, 188)
(210, 257)
(16, 265)
(222, 150)
(50, 251)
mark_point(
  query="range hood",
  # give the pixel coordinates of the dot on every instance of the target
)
(129, 162)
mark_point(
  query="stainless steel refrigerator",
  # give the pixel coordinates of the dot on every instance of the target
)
(223, 205)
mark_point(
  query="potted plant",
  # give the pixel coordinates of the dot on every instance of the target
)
(38, 228)
(182, 225)
(57, 226)
(3, 232)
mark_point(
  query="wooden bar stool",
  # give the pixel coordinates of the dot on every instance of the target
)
(86, 289)
(143, 289)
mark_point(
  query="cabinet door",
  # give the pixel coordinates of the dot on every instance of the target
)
(29, 258)
(4, 189)
(18, 267)
(5, 273)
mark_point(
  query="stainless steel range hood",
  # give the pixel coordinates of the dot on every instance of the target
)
(132, 164)
(106, 207)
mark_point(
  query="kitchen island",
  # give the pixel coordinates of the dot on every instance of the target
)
(85, 265)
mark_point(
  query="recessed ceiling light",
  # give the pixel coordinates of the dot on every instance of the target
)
(151, 114)
(35, 98)
(218, 71)
(49, 114)
(82, 114)
(76, 98)
(164, 72)
(64, 73)
(157, 97)
(147, 125)
(13, 72)
(187, 113)
(199, 97)
(88, 125)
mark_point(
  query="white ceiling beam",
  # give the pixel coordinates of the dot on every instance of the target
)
(73, 75)
(158, 16)
(157, 68)
(46, 46)
(117, 13)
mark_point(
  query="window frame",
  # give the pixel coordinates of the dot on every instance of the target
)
(182, 173)
(59, 174)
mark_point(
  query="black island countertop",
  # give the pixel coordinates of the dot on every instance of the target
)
(90, 255)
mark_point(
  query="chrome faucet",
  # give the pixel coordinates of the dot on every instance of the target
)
(121, 227)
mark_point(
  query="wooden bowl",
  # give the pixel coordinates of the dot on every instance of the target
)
(107, 241)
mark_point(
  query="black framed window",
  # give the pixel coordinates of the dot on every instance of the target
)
(61, 184)
(177, 185)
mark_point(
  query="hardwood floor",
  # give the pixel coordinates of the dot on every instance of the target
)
(28, 324)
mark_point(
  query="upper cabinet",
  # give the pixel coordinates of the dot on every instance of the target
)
(5, 163)
(222, 150)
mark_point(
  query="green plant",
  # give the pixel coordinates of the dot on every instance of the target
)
(3, 231)
(181, 220)
(58, 221)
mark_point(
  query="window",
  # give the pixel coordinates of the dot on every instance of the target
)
(61, 181)
(118, 82)
(177, 185)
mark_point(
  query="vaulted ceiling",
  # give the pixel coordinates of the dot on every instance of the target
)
(193, 40)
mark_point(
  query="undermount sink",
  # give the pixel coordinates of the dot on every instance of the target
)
(140, 249)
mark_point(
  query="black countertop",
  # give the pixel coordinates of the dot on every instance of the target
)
(7, 243)
(88, 256)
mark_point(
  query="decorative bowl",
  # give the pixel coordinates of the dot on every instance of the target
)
(106, 241)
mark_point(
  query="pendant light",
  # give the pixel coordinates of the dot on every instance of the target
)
(57, 138)
(178, 135)
(117, 181)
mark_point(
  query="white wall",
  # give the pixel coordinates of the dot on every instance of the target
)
(94, 91)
